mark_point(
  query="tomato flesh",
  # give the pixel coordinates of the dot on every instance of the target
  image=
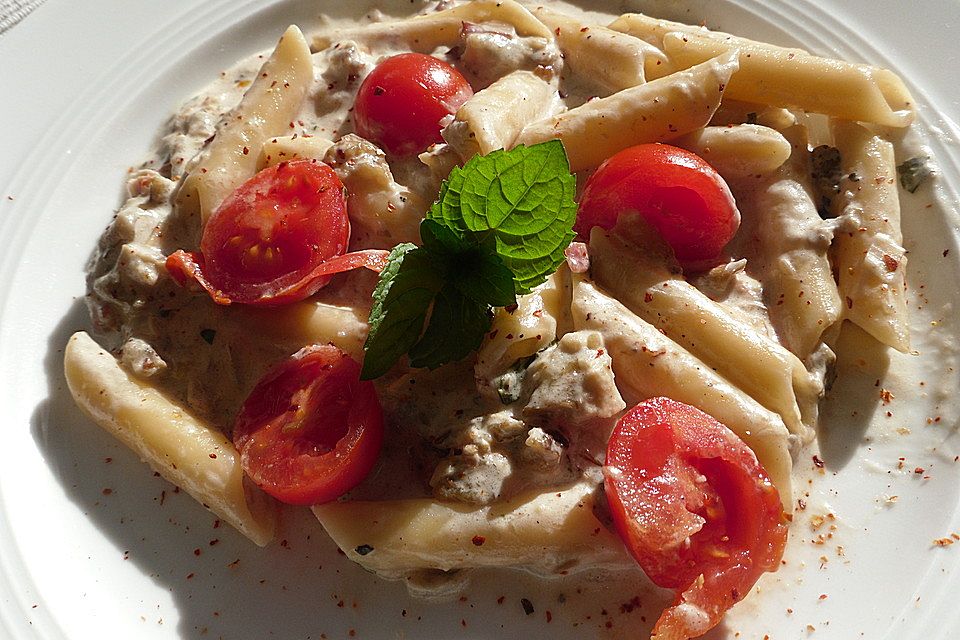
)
(276, 239)
(401, 102)
(675, 191)
(310, 430)
(695, 509)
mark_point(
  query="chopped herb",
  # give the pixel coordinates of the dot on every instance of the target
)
(826, 175)
(363, 549)
(913, 172)
(752, 117)
(527, 606)
(208, 335)
(509, 384)
(498, 229)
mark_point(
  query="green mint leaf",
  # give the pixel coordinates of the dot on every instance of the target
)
(913, 172)
(457, 326)
(442, 241)
(522, 199)
(498, 229)
(482, 276)
(475, 270)
(401, 299)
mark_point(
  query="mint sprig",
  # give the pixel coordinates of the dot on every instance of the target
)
(498, 229)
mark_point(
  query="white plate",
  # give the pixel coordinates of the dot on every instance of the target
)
(91, 545)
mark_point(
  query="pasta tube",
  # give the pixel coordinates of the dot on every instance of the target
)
(780, 76)
(602, 57)
(786, 249)
(759, 366)
(426, 33)
(646, 363)
(739, 150)
(547, 533)
(869, 253)
(179, 446)
(652, 112)
(266, 110)
(493, 118)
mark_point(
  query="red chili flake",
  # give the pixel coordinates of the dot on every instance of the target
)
(849, 302)
(215, 541)
(216, 523)
(501, 599)
(108, 460)
(190, 576)
(478, 541)
(886, 396)
(463, 622)
(823, 596)
(648, 297)
(107, 491)
(818, 462)
(919, 471)
(234, 564)
(197, 551)
(549, 617)
(246, 151)
(213, 456)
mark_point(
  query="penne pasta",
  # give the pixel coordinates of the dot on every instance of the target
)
(868, 247)
(646, 364)
(661, 110)
(759, 366)
(539, 318)
(266, 110)
(179, 446)
(295, 147)
(607, 59)
(786, 244)
(493, 118)
(426, 33)
(739, 150)
(547, 533)
(780, 76)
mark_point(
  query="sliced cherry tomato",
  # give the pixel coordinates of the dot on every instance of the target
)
(400, 104)
(695, 509)
(276, 239)
(675, 191)
(310, 430)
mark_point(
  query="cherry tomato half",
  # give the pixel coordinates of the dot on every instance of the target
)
(695, 509)
(276, 239)
(400, 104)
(675, 191)
(310, 430)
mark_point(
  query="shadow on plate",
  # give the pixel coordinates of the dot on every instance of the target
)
(854, 397)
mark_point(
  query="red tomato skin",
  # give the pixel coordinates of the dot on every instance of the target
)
(273, 230)
(675, 191)
(310, 430)
(401, 102)
(690, 499)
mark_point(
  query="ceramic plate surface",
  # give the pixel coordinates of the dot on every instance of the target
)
(92, 545)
